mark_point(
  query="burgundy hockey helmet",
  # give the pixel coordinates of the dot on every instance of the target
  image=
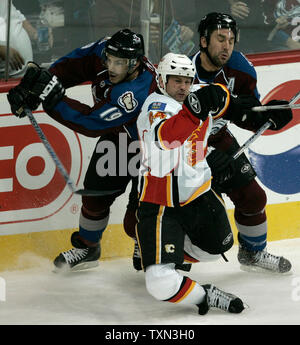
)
(215, 20)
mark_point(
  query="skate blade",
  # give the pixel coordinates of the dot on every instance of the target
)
(257, 269)
(80, 267)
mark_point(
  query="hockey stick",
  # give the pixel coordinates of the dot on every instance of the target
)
(59, 164)
(263, 128)
(291, 105)
(252, 139)
(273, 107)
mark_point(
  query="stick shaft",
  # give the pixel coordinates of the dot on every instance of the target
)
(263, 128)
(295, 98)
(50, 150)
(252, 139)
(273, 107)
(60, 166)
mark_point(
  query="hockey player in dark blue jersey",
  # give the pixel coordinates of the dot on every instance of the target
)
(122, 78)
(217, 62)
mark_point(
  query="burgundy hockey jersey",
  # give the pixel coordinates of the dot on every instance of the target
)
(238, 74)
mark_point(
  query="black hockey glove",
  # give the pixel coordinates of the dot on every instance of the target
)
(38, 85)
(48, 88)
(240, 113)
(221, 165)
(17, 100)
(20, 97)
(206, 99)
(278, 117)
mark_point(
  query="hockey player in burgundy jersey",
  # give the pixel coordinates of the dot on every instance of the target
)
(180, 218)
(217, 62)
(121, 78)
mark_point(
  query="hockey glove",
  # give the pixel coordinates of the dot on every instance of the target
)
(48, 88)
(278, 117)
(221, 165)
(20, 97)
(206, 99)
(17, 100)
(240, 113)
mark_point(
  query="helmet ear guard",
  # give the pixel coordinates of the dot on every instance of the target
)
(174, 64)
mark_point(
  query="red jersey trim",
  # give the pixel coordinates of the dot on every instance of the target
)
(184, 291)
(157, 190)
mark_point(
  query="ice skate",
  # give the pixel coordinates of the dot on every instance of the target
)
(262, 261)
(78, 258)
(216, 298)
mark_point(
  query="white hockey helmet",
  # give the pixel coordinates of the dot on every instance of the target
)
(174, 64)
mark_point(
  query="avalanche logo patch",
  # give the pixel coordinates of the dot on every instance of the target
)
(127, 101)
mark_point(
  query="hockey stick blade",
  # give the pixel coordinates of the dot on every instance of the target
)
(59, 164)
(91, 192)
(273, 107)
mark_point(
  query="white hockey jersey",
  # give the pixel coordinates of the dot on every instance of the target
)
(173, 170)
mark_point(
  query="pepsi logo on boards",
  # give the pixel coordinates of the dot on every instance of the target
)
(276, 158)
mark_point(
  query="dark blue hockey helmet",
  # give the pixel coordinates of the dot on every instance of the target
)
(215, 20)
(125, 44)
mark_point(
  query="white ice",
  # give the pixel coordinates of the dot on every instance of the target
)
(115, 294)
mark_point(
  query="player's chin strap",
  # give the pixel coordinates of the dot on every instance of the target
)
(59, 164)
(263, 128)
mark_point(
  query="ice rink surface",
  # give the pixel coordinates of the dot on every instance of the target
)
(115, 294)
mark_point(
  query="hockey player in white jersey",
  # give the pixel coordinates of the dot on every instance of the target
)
(180, 218)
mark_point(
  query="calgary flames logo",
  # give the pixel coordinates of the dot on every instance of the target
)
(159, 115)
(197, 144)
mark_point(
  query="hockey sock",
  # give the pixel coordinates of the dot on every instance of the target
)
(92, 229)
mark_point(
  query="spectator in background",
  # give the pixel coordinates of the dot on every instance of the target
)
(282, 17)
(144, 16)
(253, 31)
(108, 16)
(20, 48)
(78, 28)
(180, 23)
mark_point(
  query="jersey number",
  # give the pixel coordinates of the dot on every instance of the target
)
(111, 114)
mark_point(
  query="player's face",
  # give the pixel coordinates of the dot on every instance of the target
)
(220, 46)
(117, 68)
(178, 87)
